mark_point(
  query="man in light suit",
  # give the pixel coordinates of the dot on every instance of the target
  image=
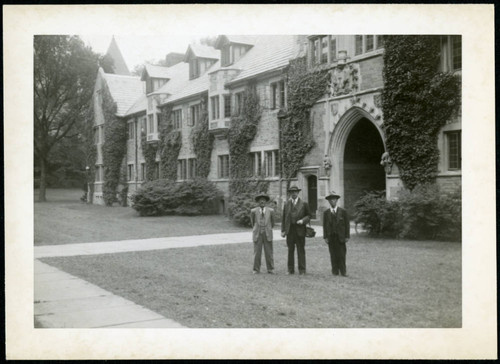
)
(293, 225)
(336, 232)
(262, 219)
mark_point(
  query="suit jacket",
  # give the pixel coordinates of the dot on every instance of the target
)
(303, 214)
(336, 225)
(268, 220)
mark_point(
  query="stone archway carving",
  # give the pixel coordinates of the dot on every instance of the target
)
(337, 143)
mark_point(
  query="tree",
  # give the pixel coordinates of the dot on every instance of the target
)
(64, 75)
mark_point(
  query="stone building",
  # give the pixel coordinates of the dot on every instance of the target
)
(349, 155)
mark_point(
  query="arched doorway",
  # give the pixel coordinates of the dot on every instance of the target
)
(312, 194)
(362, 169)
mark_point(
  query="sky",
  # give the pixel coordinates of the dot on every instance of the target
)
(137, 49)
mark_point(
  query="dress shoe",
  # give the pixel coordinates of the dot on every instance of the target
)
(335, 274)
(302, 273)
(345, 275)
(290, 273)
(256, 272)
(270, 271)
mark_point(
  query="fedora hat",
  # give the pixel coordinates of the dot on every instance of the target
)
(294, 188)
(332, 194)
(262, 195)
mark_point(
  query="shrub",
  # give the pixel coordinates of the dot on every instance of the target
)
(423, 213)
(165, 197)
(239, 209)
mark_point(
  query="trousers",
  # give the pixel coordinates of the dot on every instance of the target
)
(268, 252)
(338, 252)
(292, 240)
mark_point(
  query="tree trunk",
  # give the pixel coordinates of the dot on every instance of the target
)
(43, 180)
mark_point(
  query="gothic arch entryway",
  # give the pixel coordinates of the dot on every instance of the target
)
(362, 169)
(355, 149)
(312, 194)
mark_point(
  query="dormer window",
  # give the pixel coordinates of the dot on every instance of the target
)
(367, 43)
(194, 68)
(226, 55)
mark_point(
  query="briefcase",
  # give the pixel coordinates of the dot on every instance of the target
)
(310, 232)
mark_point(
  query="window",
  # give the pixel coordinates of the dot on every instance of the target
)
(333, 48)
(227, 106)
(182, 169)
(177, 118)
(130, 172)
(143, 172)
(131, 131)
(215, 107)
(451, 53)
(238, 104)
(358, 45)
(271, 163)
(255, 164)
(143, 125)
(314, 51)
(323, 56)
(226, 55)
(370, 43)
(380, 41)
(151, 128)
(454, 150)
(278, 95)
(192, 168)
(223, 166)
(195, 114)
(194, 68)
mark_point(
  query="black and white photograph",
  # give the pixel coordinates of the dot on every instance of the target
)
(305, 185)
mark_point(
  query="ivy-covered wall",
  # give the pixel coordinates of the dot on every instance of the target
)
(417, 101)
(113, 148)
(202, 141)
(169, 145)
(303, 90)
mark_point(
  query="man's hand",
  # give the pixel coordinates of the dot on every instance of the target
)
(300, 222)
(346, 240)
(326, 241)
(283, 234)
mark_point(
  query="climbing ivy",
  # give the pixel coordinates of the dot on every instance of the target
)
(417, 101)
(90, 148)
(149, 151)
(242, 131)
(113, 148)
(303, 90)
(202, 143)
(170, 144)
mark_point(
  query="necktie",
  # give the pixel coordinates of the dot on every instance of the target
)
(262, 212)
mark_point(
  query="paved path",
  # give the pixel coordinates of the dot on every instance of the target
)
(65, 301)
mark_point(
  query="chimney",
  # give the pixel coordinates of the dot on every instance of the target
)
(173, 58)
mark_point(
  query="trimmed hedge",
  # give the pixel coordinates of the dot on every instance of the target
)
(165, 197)
(425, 213)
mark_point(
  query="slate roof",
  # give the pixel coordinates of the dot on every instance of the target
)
(125, 90)
(240, 39)
(202, 51)
(157, 71)
(270, 52)
(178, 77)
(194, 86)
(140, 105)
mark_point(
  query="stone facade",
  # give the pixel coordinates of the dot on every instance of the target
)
(355, 95)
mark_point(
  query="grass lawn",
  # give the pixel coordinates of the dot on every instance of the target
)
(391, 284)
(64, 219)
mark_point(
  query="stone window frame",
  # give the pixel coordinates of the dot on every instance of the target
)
(215, 107)
(277, 94)
(177, 118)
(449, 54)
(223, 166)
(361, 48)
(453, 156)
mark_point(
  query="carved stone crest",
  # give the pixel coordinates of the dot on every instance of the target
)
(334, 108)
(386, 161)
(377, 100)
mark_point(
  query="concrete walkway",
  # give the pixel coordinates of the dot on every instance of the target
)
(65, 301)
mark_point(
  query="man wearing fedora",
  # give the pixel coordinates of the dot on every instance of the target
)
(262, 219)
(293, 225)
(336, 232)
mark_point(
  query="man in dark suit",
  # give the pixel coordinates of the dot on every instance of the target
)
(336, 232)
(293, 225)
